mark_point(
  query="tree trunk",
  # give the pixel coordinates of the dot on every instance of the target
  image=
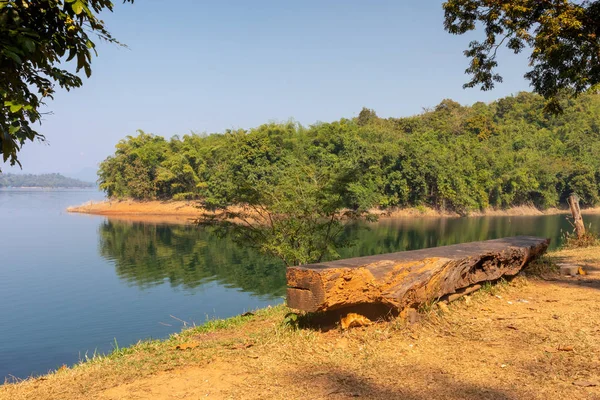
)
(410, 278)
(577, 218)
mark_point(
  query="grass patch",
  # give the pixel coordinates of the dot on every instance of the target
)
(571, 241)
(493, 288)
(428, 307)
(162, 350)
(540, 267)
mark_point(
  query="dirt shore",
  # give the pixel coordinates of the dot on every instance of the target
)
(173, 212)
(133, 207)
(532, 338)
(186, 211)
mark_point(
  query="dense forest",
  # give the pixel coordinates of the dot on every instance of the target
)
(43, 180)
(450, 157)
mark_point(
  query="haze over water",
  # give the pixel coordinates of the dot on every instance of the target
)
(74, 284)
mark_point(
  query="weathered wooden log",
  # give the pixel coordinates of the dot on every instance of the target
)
(409, 278)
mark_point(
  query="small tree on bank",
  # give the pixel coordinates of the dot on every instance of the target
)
(284, 201)
(299, 219)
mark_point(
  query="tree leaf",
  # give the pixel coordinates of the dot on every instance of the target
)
(14, 56)
(16, 107)
(29, 45)
(77, 7)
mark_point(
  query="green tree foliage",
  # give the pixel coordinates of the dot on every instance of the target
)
(134, 169)
(43, 180)
(563, 35)
(36, 36)
(280, 191)
(291, 189)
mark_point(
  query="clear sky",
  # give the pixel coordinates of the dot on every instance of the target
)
(206, 66)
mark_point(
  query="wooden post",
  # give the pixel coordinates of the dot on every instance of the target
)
(573, 201)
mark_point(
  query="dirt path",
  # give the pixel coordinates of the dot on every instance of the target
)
(530, 339)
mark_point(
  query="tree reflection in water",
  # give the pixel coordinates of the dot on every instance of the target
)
(187, 256)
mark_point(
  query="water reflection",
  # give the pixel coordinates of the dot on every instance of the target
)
(148, 254)
(188, 256)
(392, 235)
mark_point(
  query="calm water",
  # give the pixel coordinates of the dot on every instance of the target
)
(73, 284)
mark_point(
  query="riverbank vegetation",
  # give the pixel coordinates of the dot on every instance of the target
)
(527, 340)
(291, 191)
(452, 157)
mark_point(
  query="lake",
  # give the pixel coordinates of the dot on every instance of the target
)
(73, 284)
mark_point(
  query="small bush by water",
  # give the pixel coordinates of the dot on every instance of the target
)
(571, 241)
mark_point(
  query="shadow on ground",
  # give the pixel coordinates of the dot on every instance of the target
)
(591, 279)
(340, 384)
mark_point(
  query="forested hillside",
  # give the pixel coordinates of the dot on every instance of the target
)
(451, 157)
(43, 180)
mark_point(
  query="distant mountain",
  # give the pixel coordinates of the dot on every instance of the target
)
(42, 180)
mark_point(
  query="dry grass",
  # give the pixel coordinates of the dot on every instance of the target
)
(588, 239)
(531, 338)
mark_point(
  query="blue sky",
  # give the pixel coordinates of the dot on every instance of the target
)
(206, 66)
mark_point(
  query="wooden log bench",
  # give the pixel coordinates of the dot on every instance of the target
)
(409, 278)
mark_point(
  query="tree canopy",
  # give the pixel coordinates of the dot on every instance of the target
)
(36, 37)
(563, 36)
(279, 192)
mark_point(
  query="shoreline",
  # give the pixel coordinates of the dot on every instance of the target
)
(256, 355)
(184, 212)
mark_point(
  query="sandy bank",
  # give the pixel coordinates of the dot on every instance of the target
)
(184, 212)
(173, 212)
(133, 207)
(431, 212)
